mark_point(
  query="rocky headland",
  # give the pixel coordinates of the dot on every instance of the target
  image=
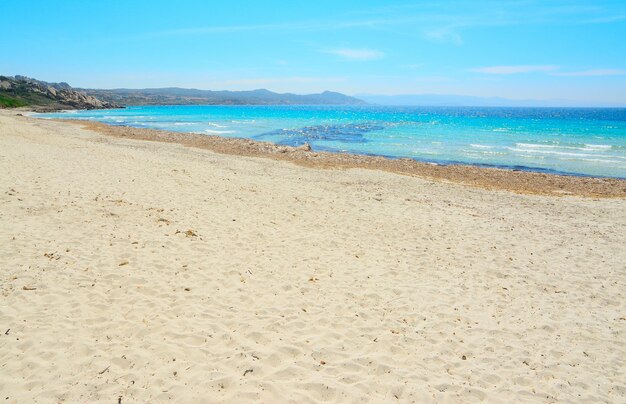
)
(41, 96)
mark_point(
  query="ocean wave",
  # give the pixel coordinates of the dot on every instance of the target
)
(581, 147)
(112, 118)
(422, 152)
(597, 147)
(606, 161)
(218, 132)
(538, 146)
(482, 146)
(484, 152)
(581, 156)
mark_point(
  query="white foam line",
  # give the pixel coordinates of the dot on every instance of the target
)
(597, 147)
(586, 147)
(598, 161)
(539, 146)
(560, 153)
(219, 131)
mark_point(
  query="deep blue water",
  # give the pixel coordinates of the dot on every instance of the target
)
(582, 141)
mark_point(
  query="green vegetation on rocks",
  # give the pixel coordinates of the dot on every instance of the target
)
(8, 102)
(20, 91)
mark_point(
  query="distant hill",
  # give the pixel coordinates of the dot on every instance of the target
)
(449, 100)
(185, 96)
(21, 91)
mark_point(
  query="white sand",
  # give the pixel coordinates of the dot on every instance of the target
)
(299, 285)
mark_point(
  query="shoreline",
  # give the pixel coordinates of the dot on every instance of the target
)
(492, 178)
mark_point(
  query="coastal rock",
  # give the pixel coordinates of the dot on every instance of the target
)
(304, 147)
(43, 96)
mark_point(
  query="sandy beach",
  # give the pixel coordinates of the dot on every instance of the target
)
(156, 271)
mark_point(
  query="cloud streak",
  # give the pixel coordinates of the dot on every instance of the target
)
(517, 69)
(431, 20)
(281, 80)
(444, 34)
(357, 54)
(548, 69)
(279, 26)
(592, 73)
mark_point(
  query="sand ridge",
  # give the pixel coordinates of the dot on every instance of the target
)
(152, 272)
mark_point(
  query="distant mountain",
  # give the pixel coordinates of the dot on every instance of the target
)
(21, 91)
(433, 100)
(185, 96)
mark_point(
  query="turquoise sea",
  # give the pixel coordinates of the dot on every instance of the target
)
(580, 141)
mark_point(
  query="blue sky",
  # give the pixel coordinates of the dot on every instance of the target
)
(525, 49)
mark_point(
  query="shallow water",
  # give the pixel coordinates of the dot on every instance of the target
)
(582, 141)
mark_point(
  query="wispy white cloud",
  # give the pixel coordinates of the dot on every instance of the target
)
(447, 21)
(362, 54)
(433, 20)
(591, 73)
(549, 69)
(608, 19)
(281, 80)
(431, 79)
(218, 29)
(444, 34)
(306, 25)
(514, 69)
(413, 66)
